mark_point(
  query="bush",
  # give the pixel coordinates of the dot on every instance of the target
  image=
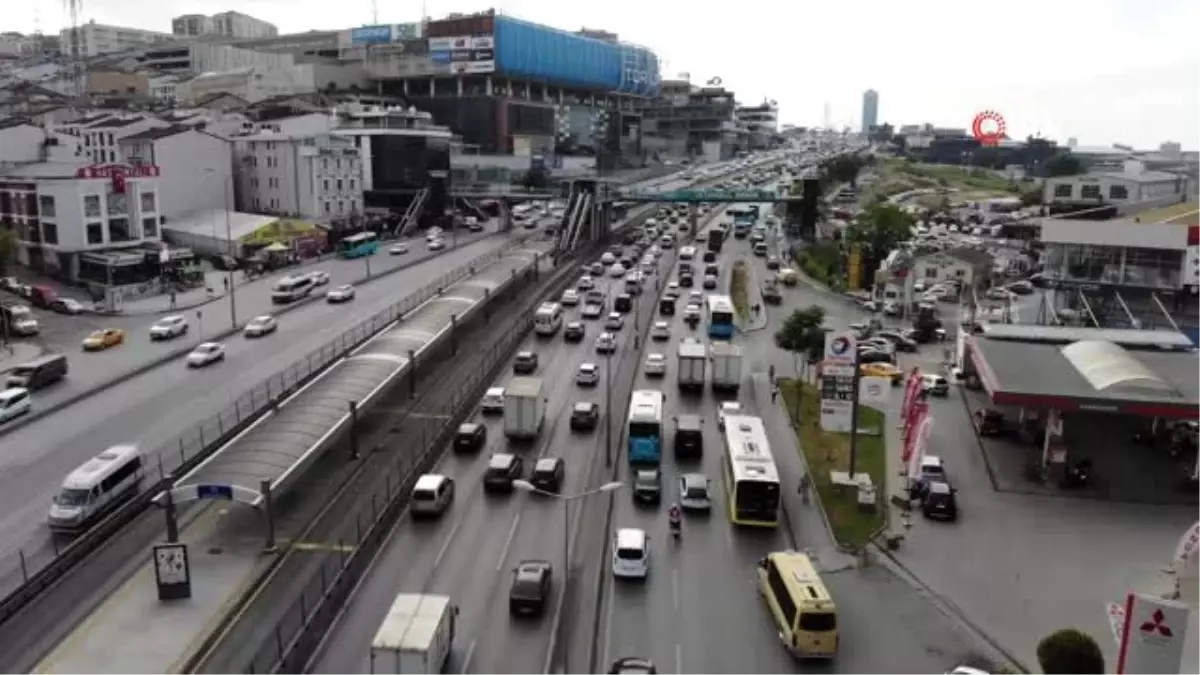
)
(1069, 651)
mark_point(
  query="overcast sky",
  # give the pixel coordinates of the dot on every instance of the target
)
(1103, 71)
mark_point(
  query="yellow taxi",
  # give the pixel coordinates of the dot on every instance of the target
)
(882, 370)
(103, 339)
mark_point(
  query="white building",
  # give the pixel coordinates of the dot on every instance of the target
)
(195, 168)
(1132, 185)
(363, 123)
(20, 141)
(900, 281)
(162, 88)
(96, 39)
(207, 57)
(318, 177)
(254, 84)
(226, 24)
(100, 136)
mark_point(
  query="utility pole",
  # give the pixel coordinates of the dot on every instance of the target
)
(608, 449)
(854, 417)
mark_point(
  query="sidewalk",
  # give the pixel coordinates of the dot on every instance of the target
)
(757, 321)
(17, 352)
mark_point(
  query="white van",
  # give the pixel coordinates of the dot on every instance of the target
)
(95, 488)
(687, 253)
(432, 494)
(14, 403)
(291, 289)
(631, 554)
(633, 283)
(548, 318)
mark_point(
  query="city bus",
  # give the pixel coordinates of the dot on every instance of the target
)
(645, 427)
(720, 317)
(799, 604)
(751, 480)
(359, 245)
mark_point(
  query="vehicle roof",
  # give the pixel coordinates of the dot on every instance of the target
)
(931, 460)
(587, 366)
(695, 480)
(469, 427)
(429, 481)
(494, 391)
(630, 537)
(97, 468)
(585, 406)
(533, 568)
(501, 460)
(689, 422)
(524, 386)
(940, 488)
(412, 622)
(801, 577)
(547, 464)
(12, 391)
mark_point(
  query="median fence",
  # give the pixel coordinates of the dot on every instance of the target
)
(27, 573)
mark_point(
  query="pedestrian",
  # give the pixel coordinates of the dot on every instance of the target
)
(172, 299)
(226, 281)
(774, 393)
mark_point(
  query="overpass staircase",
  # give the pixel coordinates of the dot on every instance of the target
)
(412, 215)
(577, 221)
(470, 207)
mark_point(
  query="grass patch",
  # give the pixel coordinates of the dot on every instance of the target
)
(822, 260)
(825, 452)
(739, 291)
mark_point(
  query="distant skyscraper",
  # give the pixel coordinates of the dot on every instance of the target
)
(870, 110)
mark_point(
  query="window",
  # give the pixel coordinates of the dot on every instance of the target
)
(147, 202)
(354, 205)
(49, 233)
(95, 233)
(122, 474)
(325, 185)
(118, 204)
(110, 140)
(118, 230)
(780, 592)
(339, 165)
(325, 164)
(46, 206)
(351, 183)
(327, 207)
(1089, 191)
(341, 206)
(254, 182)
(91, 206)
(87, 141)
(339, 185)
(1064, 190)
(931, 272)
(150, 227)
(1118, 192)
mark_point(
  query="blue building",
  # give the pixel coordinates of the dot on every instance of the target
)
(509, 86)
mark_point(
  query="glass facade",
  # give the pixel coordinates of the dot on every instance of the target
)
(1114, 265)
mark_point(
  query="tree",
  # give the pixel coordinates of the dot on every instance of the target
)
(844, 169)
(1069, 651)
(803, 334)
(1063, 165)
(879, 229)
(8, 249)
(536, 178)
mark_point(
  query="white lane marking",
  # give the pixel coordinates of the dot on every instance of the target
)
(606, 639)
(512, 532)
(449, 540)
(470, 654)
(675, 587)
(678, 658)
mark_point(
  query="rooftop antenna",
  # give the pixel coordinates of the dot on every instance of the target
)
(374, 12)
(76, 71)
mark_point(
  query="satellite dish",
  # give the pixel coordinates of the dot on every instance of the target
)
(714, 82)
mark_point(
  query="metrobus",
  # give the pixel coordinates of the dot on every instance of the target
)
(645, 427)
(720, 317)
(359, 245)
(751, 479)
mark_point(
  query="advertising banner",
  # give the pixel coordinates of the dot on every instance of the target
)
(483, 42)
(841, 348)
(874, 391)
(441, 57)
(837, 397)
(371, 35)
(1151, 640)
(483, 55)
(916, 418)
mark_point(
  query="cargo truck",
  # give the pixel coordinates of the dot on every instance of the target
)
(524, 408)
(416, 636)
(692, 357)
(726, 366)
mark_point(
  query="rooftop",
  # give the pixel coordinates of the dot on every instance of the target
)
(116, 122)
(240, 224)
(1185, 212)
(155, 134)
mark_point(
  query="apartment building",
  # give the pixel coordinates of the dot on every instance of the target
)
(226, 24)
(96, 39)
(1131, 185)
(195, 168)
(317, 176)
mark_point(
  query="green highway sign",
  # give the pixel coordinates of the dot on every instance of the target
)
(710, 195)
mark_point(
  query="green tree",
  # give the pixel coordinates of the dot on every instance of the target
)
(8, 249)
(844, 169)
(803, 334)
(879, 229)
(536, 178)
(1069, 651)
(1063, 165)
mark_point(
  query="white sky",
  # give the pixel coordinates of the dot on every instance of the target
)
(1104, 71)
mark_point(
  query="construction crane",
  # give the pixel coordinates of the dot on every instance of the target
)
(76, 69)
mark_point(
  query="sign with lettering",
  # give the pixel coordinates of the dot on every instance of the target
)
(122, 170)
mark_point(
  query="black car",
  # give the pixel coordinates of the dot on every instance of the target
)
(869, 355)
(902, 343)
(647, 486)
(940, 501)
(686, 281)
(585, 416)
(530, 588)
(574, 332)
(633, 665)
(689, 436)
(685, 269)
(666, 306)
(623, 303)
(525, 363)
(710, 256)
(772, 263)
(548, 474)
(502, 470)
(714, 270)
(470, 436)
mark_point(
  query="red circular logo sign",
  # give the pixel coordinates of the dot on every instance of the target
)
(988, 128)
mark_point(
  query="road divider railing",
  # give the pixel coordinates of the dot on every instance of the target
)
(34, 573)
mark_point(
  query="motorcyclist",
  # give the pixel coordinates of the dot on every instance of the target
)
(674, 516)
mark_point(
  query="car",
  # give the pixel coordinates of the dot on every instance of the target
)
(623, 303)
(935, 385)
(933, 469)
(714, 270)
(687, 280)
(435, 244)
(691, 314)
(503, 468)
(631, 554)
(1021, 287)
(570, 297)
(206, 353)
(727, 408)
(398, 249)
(940, 502)
(530, 589)
(695, 492)
(606, 343)
(647, 486)
(770, 293)
(319, 277)
(585, 416)
(617, 271)
(710, 256)
(470, 436)
(695, 297)
(493, 401)
(672, 291)
(525, 363)
(615, 321)
(548, 474)
(14, 402)
(710, 281)
(608, 258)
(574, 332)
(772, 263)
(661, 331)
(884, 370)
(585, 283)
(103, 339)
(901, 342)
(656, 365)
(169, 327)
(595, 269)
(592, 311)
(260, 326)
(67, 306)
(588, 375)
(1000, 294)
(344, 293)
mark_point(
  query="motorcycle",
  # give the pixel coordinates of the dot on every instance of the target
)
(676, 529)
(1077, 475)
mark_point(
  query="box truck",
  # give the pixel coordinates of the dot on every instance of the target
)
(524, 408)
(416, 636)
(726, 366)
(692, 357)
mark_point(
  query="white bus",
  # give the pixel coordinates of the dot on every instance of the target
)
(291, 289)
(751, 479)
(101, 484)
(548, 318)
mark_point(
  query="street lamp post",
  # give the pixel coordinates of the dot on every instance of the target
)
(230, 279)
(608, 449)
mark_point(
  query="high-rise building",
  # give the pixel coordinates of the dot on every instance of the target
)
(96, 39)
(226, 24)
(870, 110)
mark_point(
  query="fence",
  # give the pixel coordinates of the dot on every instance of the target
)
(301, 627)
(34, 570)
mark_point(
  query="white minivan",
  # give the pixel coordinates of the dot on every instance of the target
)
(14, 403)
(99, 485)
(631, 554)
(548, 319)
(432, 494)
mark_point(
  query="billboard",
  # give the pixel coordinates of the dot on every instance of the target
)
(465, 54)
(385, 34)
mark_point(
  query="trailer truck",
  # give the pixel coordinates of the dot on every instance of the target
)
(416, 636)
(524, 408)
(692, 357)
(726, 366)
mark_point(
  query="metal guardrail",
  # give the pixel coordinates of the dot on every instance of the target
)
(35, 571)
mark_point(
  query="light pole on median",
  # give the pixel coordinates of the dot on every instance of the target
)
(608, 449)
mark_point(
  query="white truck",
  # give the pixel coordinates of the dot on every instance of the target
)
(416, 636)
(726, 366)
(524, 408)
(692, 358)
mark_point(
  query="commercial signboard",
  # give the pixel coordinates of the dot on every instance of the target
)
(841, 348)
(473, 67)
(465, 54)
(371, 35)
(837, 397)
(1151, 636)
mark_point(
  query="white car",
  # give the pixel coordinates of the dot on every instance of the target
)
(661, 331)
(73, 306)
(398, 249)
(14, 402)
(206, 353)
(592, 311)
(606, 343)
(656, 365)
(695, 492)
(493, 401)
(617, 271)
(340, 294)
(261, 325)
(596, 269)
(435, 245)
(588, 375)
(727, 408)
(608, 258)
(672, 290)
(614, 321)
(695, 298)
(169, 327)
(319, 278)
(570, 297)
(585, 283)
